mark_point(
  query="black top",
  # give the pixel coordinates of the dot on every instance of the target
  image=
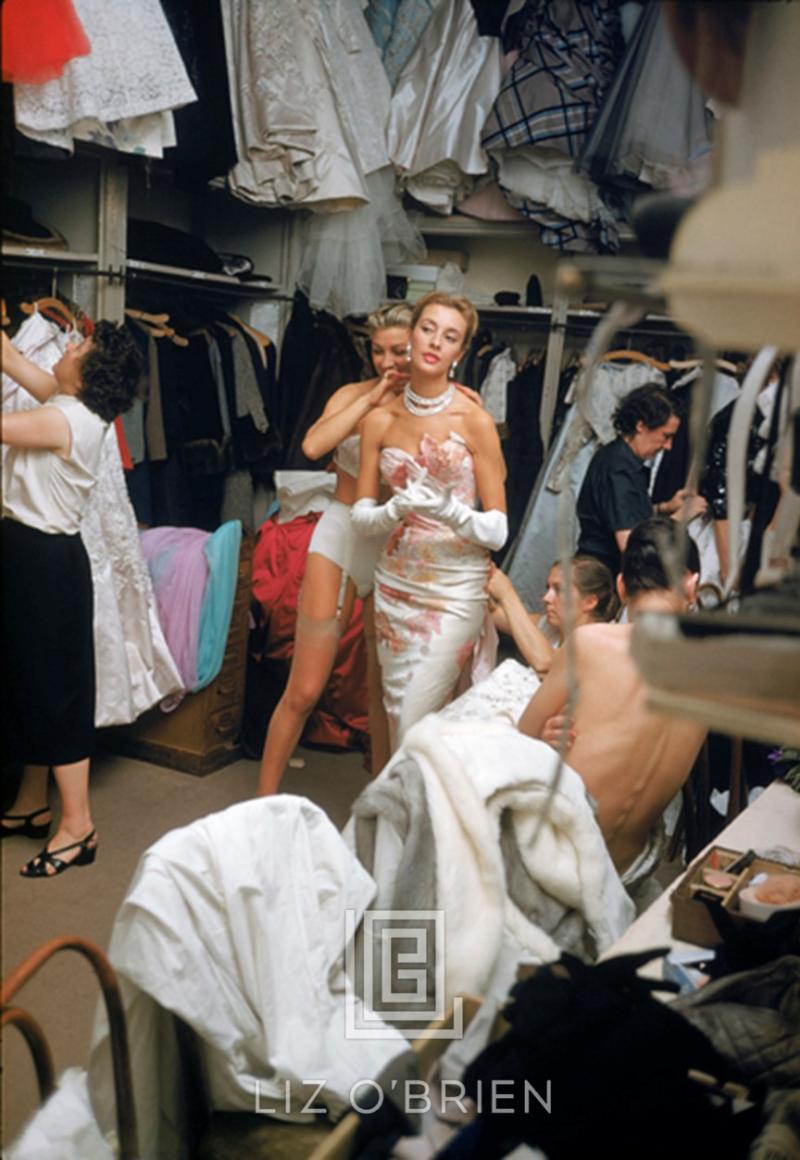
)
(613, 498)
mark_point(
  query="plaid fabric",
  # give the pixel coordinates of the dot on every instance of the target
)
(568, 53)
(569, 50)
(598, 236)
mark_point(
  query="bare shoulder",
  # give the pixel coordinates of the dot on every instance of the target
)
(349, 393)
(478, 423)
(375, 424)
(602, 638)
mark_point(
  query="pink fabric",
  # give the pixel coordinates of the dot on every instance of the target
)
(179, 571)
(489, 204)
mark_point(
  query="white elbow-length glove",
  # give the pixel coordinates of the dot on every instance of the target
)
(487, 529)
(373, 519)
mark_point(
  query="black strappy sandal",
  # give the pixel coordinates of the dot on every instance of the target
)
(37, 867)
(28, 829)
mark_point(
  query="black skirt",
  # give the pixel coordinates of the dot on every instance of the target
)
(48, 688)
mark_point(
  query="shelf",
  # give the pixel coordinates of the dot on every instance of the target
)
(574, 314)
(48, 254)
(612, 277)
(461, 226)
(185, 276)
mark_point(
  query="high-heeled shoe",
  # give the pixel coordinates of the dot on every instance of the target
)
(37, 867)
(28, 829)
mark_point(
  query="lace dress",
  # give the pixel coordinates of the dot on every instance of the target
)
(430, 590)
(503, 695)
(134, 667)
(121, 94)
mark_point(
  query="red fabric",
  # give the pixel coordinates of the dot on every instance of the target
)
(124, 450)
(279, 559)
(39, 38)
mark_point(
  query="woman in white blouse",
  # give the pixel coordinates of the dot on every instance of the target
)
(48, 695)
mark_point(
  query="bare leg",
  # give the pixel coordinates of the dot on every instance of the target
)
(31, 796)
(380, 749)
(76, 816)
(316, 643)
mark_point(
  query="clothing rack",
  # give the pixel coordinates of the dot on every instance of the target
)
(561, 319)
(28, 258)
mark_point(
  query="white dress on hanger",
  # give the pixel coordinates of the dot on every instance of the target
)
(134, 667)
(121, 94)
(440, 104)
(302, 137)
(494, 388)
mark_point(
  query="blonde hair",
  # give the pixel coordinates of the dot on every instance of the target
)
(456, 302)
(392, 314)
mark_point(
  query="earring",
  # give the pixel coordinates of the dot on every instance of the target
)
(408, 350)
(452, 372)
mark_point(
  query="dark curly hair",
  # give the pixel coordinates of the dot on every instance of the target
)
(651, 404)
(643, 568)
(110, 371)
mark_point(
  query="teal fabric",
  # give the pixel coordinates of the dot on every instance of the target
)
(222, 553)
(397, 27)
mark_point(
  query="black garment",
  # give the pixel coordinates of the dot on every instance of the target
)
(613, 498)
(150, 241)
(625, 1092)
(673, 467)
(204, 128)
(489, 16)
(48, 690)
(523, 448)
(482, 350)
(317, 358)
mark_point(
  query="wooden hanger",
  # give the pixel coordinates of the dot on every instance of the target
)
(143, 316)
(688, 363)
(54, 304)
(635, 356)
(263, 339)
(161, 331)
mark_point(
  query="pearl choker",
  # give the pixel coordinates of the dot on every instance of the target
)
(422, 405)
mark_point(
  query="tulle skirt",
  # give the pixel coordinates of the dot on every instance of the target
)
(343, 267)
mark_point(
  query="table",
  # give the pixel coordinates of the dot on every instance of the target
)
(772, 820)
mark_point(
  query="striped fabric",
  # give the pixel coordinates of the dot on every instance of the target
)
(568, 53)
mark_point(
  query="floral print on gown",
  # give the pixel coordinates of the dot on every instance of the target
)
(430, 589)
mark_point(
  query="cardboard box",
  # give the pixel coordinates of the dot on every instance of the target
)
(692, 920)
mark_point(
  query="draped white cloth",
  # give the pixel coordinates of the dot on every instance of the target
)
(310, 98)
(236, 924)
(483, 780)
(133, 665)
(440, 104)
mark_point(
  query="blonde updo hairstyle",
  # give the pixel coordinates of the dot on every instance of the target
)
(456, 302)
(392, 314)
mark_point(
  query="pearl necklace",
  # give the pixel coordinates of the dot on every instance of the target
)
(422, 405)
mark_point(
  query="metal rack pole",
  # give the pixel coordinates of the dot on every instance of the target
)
(552, 367)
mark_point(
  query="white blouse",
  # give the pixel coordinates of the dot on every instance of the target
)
(48, 492)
